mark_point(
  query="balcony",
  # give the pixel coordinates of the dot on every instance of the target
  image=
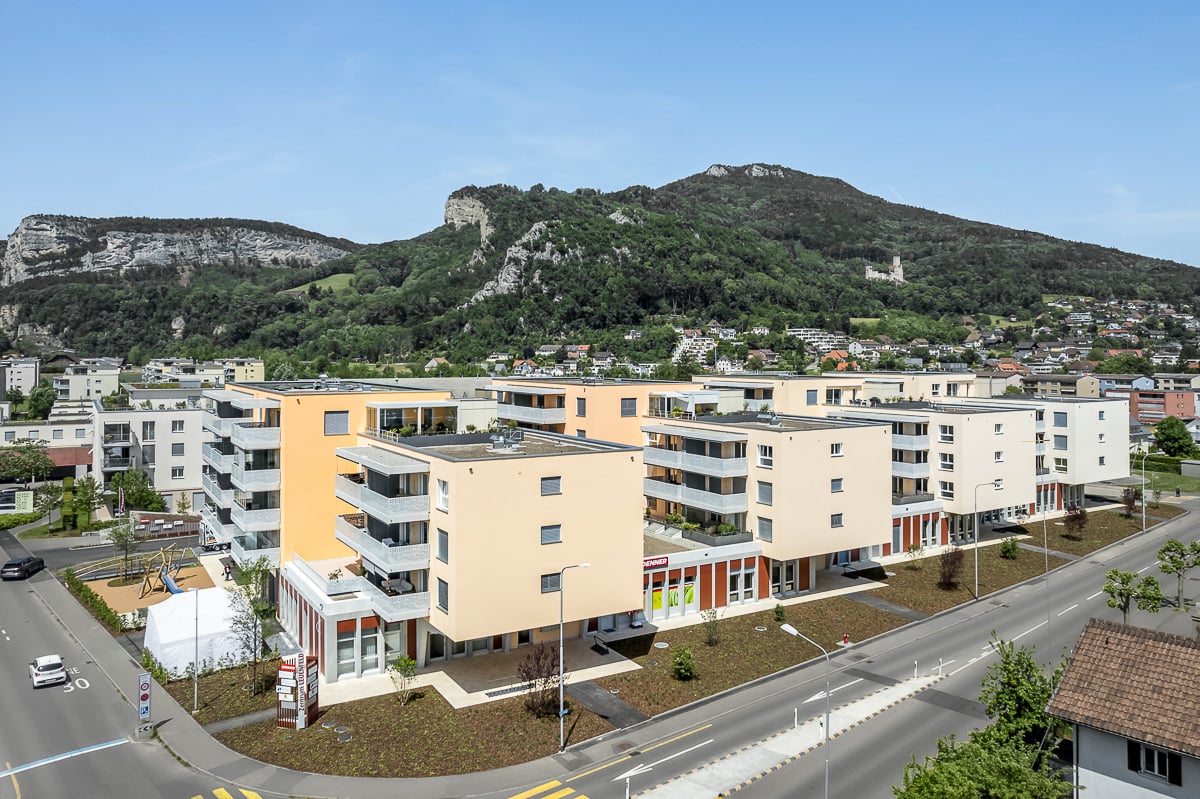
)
(254, 435)
(220, 496)
(254, 479)
(337, 586)
(911, 499)
(394, 510)
(700, 464)
(117, 437)
(254, 520)
(695, 498)
(917, 443)
(346, 487)
(394, 558)
(244, 555)
(222, 426)
(216, 459)
(910, 470)
(223, 532)
(530, 415)
(117, 464)
(397, 607)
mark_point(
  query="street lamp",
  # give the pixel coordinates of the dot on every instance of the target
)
(790, 630)
(196, 663)
(561, 710)
(1144, 454)
(991, 483)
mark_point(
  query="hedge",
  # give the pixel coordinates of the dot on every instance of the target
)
(93, 602)
(1156, 463)
(11, 520)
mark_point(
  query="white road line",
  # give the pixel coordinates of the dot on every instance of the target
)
(1068, 610)
(1139, 571)
(1093, 596)
(64, 756)
(1027, 632)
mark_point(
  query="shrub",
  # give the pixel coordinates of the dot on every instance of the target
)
(684, 665)
(725, 528)
(539, 668)
(93, 602)
(150, 664)
(674, 519)
(1076, 520)
(779, 612)
(950, 563)
(712, 633)
(1009, 549)
(11, 520)
(914, 553)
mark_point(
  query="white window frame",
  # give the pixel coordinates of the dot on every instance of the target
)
(998, 429)
(766, 529)
(177, 426)
(946, 433)
(835, 450)
(766, 492)
(998, 456)
(945, 489)
(443, 495)
(946, 461)
(176, 472)
(551, 486)
(766, 456)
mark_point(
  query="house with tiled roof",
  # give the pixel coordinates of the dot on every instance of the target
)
(1129, 695)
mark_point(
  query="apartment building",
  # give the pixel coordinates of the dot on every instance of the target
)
(21, 374)
(67, 436)
(800, 394)
(163, 442)
(606, 409)
(1061, 385)
(1152, 406)
(1168, 381)
(806, 492)
(217, 372)
(90, 379)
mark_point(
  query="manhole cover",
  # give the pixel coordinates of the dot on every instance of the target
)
(761, 629)
(651, 662)
(661, 645)
(327, 725)
(341, 730)
(344, 738)
(614, 691)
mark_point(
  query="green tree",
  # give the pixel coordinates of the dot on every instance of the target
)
(47, 497)
(1015, 692)
(1172, 437)
(16, 396)
(88, 497)
(184, 504)
(403, 672)
(123, 538)
(1178, 558)
(250, 610)
(41, 400)
(1076, 521)
(24, 459)
(981, 768)
(1125, 590)
(139, 493)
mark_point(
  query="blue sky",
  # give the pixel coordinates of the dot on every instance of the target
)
(358, 119)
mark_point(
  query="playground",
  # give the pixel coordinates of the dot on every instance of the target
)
(158, 575)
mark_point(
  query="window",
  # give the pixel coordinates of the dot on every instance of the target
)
(936, 389)
(833, 396)
(551, 486)
(835, 520)
(1101, 460)
(1039, 415)
(998, 483)
(443, 546)
(1102, 416)
(176, 425)
(946, 489)
(443, 597)
(998, 456)
(1155, 762)
(810, 397)
(580, 406)
(835, 450)
(766, 529)
(443, 495)
(1060, 442)
(998, 429)
(551, 533)
(9, 435)
(551, 583)
(57, 434)
(1060, 418)
(946, 433)
(147, 431)
(835, 485)
(176, 472)
(337, 423)
(766, 493)
(946, 461)
(80, 432)
(766, 456)
(1101, 438)
(1060, 464)
(629, 406)
(581, 434)
(148, 454)
(177, 449)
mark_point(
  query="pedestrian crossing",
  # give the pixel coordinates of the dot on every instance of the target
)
(221, 793)
(550, 790)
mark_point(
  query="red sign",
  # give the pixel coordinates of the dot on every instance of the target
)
(650, 563)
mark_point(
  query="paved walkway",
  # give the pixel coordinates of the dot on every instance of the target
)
(606, 705)
(876, 601)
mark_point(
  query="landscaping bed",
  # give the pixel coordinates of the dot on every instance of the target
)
(225, 694)
(1103, 528)
(914, 584)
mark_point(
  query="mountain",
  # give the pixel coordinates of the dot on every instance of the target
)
(755, 244)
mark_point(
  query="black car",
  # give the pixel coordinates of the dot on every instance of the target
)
(21, 568)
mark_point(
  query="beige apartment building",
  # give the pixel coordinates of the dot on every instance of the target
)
(601, 408)
(800, 394)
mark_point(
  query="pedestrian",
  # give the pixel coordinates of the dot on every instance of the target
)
(228, 572)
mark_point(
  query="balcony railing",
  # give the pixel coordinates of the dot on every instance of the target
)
(346, 487)
(254, 435)
(695, 498)
(254, 520)
(254, 479)
(222, 426)
(397, 607)
(393, 557)
(220, 496)
(223, 532)
(244, 555)
(918, 443)
(113, 464)
(343, 584)
(215, 458)
(911, 499)
(394, 510)
(910, 470)
(701, 464)
(530, 415)
(118, 437)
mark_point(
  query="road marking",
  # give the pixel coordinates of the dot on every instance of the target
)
(1068, 610)
(1139, 571)
(559, 794)
(832, 691)
(1027, 632)
(1093, 596)
(535, 791)
(623, 758)
(13, 777)
(64, 756)
(642, 768)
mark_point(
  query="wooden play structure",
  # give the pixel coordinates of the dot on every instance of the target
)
(160, 569)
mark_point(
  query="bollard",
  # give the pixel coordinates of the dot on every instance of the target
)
(914, 669)
(795, 718)
(939, 667)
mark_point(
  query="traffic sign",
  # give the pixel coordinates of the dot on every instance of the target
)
(144, 697)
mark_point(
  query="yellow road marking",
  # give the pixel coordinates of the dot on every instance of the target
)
(13, 777)
(535, 791)
(249, 794)
(560, 794)
(221, 793)
(623, 758)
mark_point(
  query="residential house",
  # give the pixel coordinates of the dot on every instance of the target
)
(90, 378)
(164, 441)
(1061, 385)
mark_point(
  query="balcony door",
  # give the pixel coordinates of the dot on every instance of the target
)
(784, 575)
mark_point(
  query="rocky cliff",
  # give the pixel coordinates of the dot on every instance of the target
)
(62, 245)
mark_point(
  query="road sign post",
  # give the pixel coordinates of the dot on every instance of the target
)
(143, 694)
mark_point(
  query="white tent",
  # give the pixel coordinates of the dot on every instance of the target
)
(172, 637)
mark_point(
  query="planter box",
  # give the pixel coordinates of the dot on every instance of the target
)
(714, 540)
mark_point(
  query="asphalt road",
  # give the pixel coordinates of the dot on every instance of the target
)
(62, 552)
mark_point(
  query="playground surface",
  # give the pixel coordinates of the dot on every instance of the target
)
(127, 598)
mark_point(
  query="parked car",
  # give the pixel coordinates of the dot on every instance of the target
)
(21, 568)
(47, 670)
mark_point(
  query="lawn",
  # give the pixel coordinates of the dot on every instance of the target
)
(1166, 482)
(425, 738)
(225, 694)
(914, 584)
(744, 652)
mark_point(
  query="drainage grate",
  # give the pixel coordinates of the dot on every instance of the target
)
(512, 689)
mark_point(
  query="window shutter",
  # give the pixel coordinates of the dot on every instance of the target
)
(337, 423)
(1135, 755)
(551, 534)
(1174, 768)
(551, 485)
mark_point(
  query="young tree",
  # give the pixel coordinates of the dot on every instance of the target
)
(250, 609)
(41, 400)
(980, 767)
(25, 459)
(1178, 558)
(47, 497)
(403, 672)
(950, 565)
(1125, 590)
(1129, 498)
(123, 538)
(139, 493)
(1016, 691)
(914, 553)
(539, 669)
(1076, 521)
(87, 498)
(1173, 438)
(184, 504)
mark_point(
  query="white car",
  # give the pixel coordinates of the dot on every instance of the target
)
(47, 670)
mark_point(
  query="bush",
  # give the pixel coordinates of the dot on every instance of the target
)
(1009, 549)
(150, 664)
(779, 612)
(93, 602)
(674, 519)
(684, 665)
(539, 668)
(11, 520)
(950, 563)
(712, 633)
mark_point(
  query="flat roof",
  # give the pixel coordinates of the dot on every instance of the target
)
(780, 423)
(483, 446)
